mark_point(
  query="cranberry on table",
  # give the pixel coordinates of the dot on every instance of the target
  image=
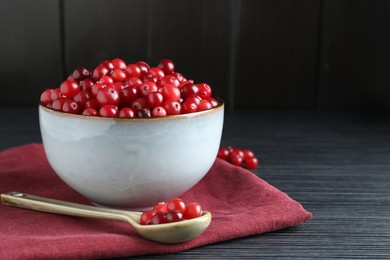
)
(238, 157)
(251, 163)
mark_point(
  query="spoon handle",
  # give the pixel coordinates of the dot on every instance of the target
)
(22, 200)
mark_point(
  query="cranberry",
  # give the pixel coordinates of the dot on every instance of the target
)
(188, 106)
(107, 80)
(99, 72)
(154, 99)
(119, 64)
(160, 207)
(193, 99)
(96, 87)
(193, 210)
(108, 111)
(133, 70)
(159, 111)
(127, 95)
(118, 75)
(204, 105)
(251, 162)
(204, 90)
(108, 96)
(174, 216)
(92, 103)
(126, 112)
(55, 94)
(108, 64)
(176, 204)
(172, 107)
(236, 160)
(223, 153)
(179, 76)
(134, 82)
(139, 103)
(86, 84)
(170, 92)
(70, 88)
(148, 87)
(167, 66)
(118, 86)
(146, 217)
(213, 101)
(149, 77)
(90, 112)
(70, 106)
(81, 98)
(159, 218)
(189, 89)
(80, 74)
(144, 112)
(157, 72)
(169, 79)
(237, 152)
(58, 103)
(45, 97)
(144, 67)
(248, 154)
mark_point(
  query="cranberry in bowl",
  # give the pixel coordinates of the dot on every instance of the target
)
(107, 143)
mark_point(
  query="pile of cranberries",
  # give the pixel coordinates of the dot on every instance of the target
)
(117, 89)
(238, 157)
(173, 211)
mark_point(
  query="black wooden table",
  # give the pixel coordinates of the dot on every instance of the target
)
(336, 164)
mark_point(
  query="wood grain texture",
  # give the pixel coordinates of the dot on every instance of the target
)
(196, 35)
(104, 29)
(30, 49)
(276, 56)
(355, 55)
(336, 164)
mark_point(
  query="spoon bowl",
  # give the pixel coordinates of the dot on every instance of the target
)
(170, 233)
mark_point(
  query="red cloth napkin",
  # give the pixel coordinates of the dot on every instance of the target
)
(242, 204)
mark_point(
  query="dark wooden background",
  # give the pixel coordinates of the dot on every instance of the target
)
(309, 54)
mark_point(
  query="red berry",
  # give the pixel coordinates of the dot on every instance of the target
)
(90, 112)
(176, 204)
(108, 64)
(134, 82)
(118, 86)
(92, 103)
(99, 72)
(159, 218)
(133, 70)
(237, 152)
(251, 163)
(126, 112)
(108, 96)
(248, 154)
(193, 99)
(223, 153)
(146, 217)
(172, 107)
(145, 112)
(174, 216)
(167, 66)
(159, 111)
(188, 106)
(86, 84)
(55, 94)
(80, 74)
(108, 111)
(119, 64)
(154, 99)
(204, 90)
(193, 210)
(144, 67)
(70, 106)
(170, 92)
(189, 89)
(160, 207)
(118, 75)
(179, 76)
(149, 77)
(45, 97)
(148, 87)
(213, 101)
(157, 72)
(70, 88)
(139, 103)
(58, 103)
(81, 98)
(96, 87)
(204, 105)
(127, 95)
(169, 79)
(236, 160)
(107, 80)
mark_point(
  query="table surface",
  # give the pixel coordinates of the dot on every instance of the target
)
(335, 163)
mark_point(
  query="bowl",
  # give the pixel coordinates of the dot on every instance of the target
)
(131, 163)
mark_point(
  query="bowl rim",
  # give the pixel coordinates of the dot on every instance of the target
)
(220, 106)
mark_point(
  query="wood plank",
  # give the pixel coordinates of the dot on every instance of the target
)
(104, 29)
(277, 49)
(355, 60)
(30, 50)
(196, 36)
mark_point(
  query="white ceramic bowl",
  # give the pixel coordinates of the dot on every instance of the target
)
(131, 163)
